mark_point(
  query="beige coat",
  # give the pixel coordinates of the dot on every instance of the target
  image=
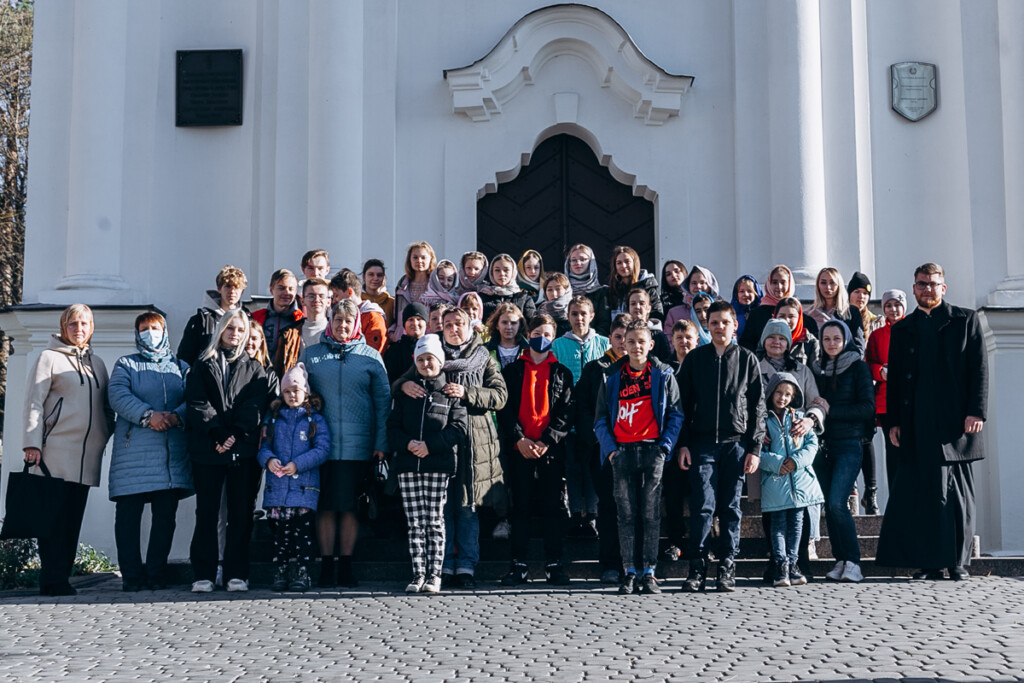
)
(66, 412)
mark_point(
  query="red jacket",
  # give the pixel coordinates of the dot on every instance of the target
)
(876, 356)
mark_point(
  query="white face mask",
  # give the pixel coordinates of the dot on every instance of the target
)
(151, 338)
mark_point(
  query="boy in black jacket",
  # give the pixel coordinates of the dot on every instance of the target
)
(722, 398)
(533, 425)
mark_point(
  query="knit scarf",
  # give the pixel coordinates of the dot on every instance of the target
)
(472, 364)
(153, 354)
(556, 308)
(436, 293)
(586, 283)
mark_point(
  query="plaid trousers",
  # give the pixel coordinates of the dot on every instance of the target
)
(423, 498)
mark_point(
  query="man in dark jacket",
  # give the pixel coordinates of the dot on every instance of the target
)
(937, 391)
(722, 399)
(198, 332)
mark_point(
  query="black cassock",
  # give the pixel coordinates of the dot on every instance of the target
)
(929, 519)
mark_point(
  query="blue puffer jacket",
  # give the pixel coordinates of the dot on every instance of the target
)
(291, 443)
(799, 488)
(145, 460)
(351, 379)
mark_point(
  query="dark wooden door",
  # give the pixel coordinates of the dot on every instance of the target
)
(564, 196)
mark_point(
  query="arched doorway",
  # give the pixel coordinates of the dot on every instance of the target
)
(564, 196)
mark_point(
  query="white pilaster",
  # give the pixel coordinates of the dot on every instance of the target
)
(796, 139)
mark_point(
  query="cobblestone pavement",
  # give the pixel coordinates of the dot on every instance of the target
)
(879, 630)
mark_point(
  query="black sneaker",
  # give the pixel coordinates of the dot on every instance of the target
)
(555, 574)
(280, 578)
(449, 581)
(959, 573)
(697, 577)
(517, 575)
(130, 586)
(781, 578)
(928, 575)
(796, 577)
(628, 585)
(589, 527)
(300, 584)
(726, 581)
(467, 581)
(649, 585)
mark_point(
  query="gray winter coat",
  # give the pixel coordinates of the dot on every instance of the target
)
(145, 460)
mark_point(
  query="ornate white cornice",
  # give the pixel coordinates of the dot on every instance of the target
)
(481, 89)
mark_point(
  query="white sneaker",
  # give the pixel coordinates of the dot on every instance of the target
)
(416, 585)
(502, 530)
(238, 585)
(219, 581)
(812, 551)
(202, 586)
(837, 572)
(852, 573)
(432, 585)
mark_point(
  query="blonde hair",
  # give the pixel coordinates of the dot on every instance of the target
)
(65, 317)
(842, 299)
(409, 273)
(211, 349)
(229, 275)
(262, 352)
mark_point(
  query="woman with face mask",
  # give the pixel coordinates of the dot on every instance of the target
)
(149, 464)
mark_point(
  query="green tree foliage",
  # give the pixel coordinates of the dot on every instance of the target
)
(15, 78)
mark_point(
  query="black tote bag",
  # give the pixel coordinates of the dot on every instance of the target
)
(33, 504)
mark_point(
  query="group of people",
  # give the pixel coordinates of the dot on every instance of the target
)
(495, 383)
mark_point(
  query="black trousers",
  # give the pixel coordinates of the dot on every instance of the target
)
(57, 551)
(242, 483)
(607, 519)
(127, 533)
(538, 486)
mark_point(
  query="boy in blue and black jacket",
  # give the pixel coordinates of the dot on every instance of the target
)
(637, 422)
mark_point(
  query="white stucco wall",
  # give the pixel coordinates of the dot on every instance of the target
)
(784, 149)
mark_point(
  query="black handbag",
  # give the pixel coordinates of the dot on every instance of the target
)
(33, 504)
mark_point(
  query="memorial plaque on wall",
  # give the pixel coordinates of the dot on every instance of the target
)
(914, 89)
(208, 88)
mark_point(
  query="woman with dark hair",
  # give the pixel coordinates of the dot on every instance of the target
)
(227, 393)
(627, 274)
(844, 382)
(673, 274)
(501, 287)
(67, 424)
(149, 463)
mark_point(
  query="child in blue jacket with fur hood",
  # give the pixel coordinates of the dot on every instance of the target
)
(296, 442)
(788, 484)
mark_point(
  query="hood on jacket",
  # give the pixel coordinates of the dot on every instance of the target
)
(708, 275)
(776, 326)
(847, 357)
(779, 378)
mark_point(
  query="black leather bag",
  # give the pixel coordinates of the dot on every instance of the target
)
(33, 504)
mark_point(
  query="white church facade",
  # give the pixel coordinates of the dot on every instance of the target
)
(759, 132)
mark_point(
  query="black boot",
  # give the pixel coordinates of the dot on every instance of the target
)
(280, 578)
(871, 501)
(726, 581)
(326, 579)
(697, 577)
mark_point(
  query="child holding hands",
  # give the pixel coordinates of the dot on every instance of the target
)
(296, 442)
(788, 484)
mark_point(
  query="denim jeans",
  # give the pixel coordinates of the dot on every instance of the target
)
(579, 480)
(842, 465)
(461, 534)
(787, 526)
(814, 521)
(637, 471)
(716, 483)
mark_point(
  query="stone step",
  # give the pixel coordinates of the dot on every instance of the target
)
(490, 571)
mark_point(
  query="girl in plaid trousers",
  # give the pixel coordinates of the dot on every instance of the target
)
(426, 431)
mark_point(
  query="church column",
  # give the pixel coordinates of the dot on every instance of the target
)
(92, 271)
(796, 147)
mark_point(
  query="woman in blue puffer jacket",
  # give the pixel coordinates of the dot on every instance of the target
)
(295, 444)
(149, 463)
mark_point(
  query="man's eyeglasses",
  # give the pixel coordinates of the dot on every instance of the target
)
(922, 284)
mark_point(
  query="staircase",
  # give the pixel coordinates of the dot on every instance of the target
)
(382, 554)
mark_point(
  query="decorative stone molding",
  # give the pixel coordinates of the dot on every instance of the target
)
(481, 89)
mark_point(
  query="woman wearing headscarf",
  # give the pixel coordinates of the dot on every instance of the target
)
(581, 269)
(530, 271)
(700, 279)
(778, 285)
(501, 286)
(443, 286)
(67, 424)
(746, 297)
(149, 464)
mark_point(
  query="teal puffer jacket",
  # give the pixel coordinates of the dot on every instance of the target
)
(799, 488)
(353, 384)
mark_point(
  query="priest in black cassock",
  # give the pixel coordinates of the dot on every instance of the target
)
(937, 387)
